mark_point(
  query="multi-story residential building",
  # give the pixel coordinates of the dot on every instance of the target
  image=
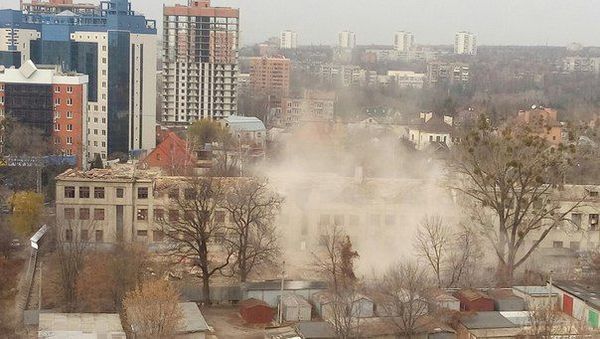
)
(51, 101)
(439, 72)
(339, 75)
(465, 43)
(110, 43)
(314, 106)
(270, 76)
(543, 122)
(407, 79)
(404, 41)
(200, 57)
(288, 40)
(577, 64)
(432, 129)
(347, 40)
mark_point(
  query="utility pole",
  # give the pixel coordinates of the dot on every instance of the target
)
(281, 295)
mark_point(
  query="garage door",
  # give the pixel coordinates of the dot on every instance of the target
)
(568, 305)
(593, 319)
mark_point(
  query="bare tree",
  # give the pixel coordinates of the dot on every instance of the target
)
(508, 177)
(336, 264)
(433, 242)
(450, 253)
(195, 225)
(72, 246)
(544, 321)
(252, 208)
(153, 310)
(402, 294)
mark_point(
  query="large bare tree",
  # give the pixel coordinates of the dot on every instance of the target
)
(402, 295)
(508, 177)
(195, 226)
(252, 207)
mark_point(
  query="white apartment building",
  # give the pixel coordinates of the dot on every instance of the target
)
(404, 41)
(347, 40)
(200, 55)
(465, 43)
(288, 40)
(407, 79)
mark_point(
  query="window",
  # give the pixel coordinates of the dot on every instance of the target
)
(158, 236)
(190, 194)
(84, 235)
(220, 216)
(99, 192)
(557, 244)
(84, 214)
(99, 236)
(142, 233)
(593, 194)
(98, 213)
(69, 235)
(574, 245)
(69, 115)
(159, 214)
(69, 89)
(56, 101)
(142, 214)
(69, 101)
(57, 140)
(174, 193)
(56, 89)
(57, 127)
(593, 218)
(120, 192)
(576, 219)
(69, 140)
(142, 193)
(69, 213)
(70, 127)
(56, 115)
(173, 215)
(69, 191)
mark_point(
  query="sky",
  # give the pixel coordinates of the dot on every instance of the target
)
(496, 22)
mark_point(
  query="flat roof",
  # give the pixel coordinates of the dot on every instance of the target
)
(80, 325)
(288, 285)
(535, 291)
(486, 320)
(193, 320)
(581, 290)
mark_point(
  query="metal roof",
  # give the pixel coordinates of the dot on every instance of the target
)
(239, 123)
(193, 320)
(589, 294)
(288, 285)
(315, 329)
(535, 291)
(486, 320)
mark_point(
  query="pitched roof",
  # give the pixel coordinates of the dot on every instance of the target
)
(436, 125)
(193, 320)
(171, 151)
(239, 123)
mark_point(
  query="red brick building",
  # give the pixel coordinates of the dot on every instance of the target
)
(474, 300)
(172, 155)
(51, 101)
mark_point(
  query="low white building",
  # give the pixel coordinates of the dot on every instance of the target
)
(80, 325)
(407, 79)
(247, 130)
(296, 308)
(432, 129)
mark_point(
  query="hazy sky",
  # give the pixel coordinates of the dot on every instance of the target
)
(496, 22)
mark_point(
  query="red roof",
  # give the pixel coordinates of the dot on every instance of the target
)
(172, 155)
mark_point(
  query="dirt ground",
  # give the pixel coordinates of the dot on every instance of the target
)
(228, 324)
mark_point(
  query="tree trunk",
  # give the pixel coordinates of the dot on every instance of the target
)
(206, 289)
(504, 274)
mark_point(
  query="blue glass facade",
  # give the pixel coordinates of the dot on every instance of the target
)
(10, 58)
(118, 91)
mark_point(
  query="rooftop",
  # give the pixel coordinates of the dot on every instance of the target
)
(486, 320)
(78, 325)
(315, 329)
(534, 291)
(288, 285)
(193, 320)
(239, 123)
(584, 291)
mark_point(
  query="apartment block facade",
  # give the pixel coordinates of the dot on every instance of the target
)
(288, 40)
(110, 43)
(465, 43)
(200, 56)
(404, 41)
(347, 40)
(270, 76)
(51, 101)
(439, 72)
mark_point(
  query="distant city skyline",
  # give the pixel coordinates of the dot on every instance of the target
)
(509, 22)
